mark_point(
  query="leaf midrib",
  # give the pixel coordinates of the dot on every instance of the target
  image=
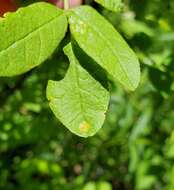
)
(81, 98)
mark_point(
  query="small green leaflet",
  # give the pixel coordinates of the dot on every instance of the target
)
(78, 101)
(29, 36)
(113, 5)
(98, 38)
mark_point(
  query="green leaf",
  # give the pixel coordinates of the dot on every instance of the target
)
(98, 38)
(78, 101)
(113, 5)
(29, 36)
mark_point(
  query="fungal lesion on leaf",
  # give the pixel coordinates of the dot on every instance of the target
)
(84, 127)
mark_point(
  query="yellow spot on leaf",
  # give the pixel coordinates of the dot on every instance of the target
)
(84, 127)
(79, 27)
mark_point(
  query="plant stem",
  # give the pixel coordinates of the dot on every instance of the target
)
(66, 4)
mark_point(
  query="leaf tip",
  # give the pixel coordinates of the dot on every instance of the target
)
(136, 80)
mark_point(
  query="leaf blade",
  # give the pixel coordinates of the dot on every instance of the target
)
(35, 33)
(104, 44)
(112, 5)
(78, 101)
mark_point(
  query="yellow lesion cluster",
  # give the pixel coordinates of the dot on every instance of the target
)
(78, 26)
(84, 127)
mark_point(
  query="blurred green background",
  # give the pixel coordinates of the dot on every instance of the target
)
(134, 150)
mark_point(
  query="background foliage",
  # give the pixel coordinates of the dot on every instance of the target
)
(135, 147)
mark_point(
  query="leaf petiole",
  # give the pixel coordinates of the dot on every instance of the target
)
(66, 4)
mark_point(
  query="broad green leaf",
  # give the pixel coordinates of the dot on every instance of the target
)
(78, 101)
(98, 38)
(29, 36)
(113, 5)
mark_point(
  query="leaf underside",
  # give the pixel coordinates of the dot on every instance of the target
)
(98, 38)
(29, 36)
(78, 101)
